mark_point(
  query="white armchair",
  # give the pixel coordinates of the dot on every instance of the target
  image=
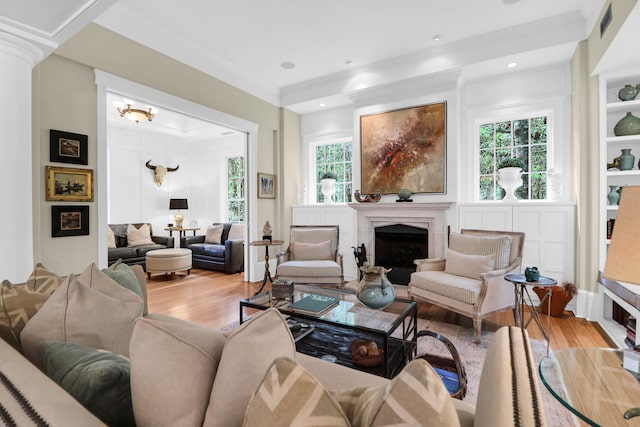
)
(312, 256)
(470, 279)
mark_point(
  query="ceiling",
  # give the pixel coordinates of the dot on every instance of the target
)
(336, 46)
(332, 42)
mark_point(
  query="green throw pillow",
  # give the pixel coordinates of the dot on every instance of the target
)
(125, 277)
(98, 379)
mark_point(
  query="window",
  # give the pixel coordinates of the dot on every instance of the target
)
(524, 138)
(335, 157)
(235, 189)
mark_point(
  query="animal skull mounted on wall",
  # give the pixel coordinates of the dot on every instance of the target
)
(159, 172)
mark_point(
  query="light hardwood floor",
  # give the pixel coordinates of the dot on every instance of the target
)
(212, 298)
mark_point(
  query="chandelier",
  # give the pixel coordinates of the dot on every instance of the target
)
(135, 114)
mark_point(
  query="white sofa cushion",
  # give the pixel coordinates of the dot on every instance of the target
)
(173, 366)
(248, 353)
(471, 266)
(312, 251)
(90, 309)
(499, 246)
(319, 268)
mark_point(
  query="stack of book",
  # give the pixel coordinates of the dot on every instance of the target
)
(630, 340)
(314, 304)
(610, 224)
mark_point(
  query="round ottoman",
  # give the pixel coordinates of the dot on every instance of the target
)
(168, 261)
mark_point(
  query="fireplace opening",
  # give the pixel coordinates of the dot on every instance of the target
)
(396, 246)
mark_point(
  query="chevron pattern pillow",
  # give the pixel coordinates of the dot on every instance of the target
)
(20, 302)
(290, 396)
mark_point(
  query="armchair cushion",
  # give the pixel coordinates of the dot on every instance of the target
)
(312, 251)
(319, 268)
(471, 266)
(499, 246)
(214, 234)
(458, 288)
(313, 235)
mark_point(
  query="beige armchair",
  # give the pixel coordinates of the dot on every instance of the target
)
(312, 256)
(470, 280)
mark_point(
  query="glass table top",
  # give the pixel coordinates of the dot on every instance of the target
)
(348, 312)
(592, 384)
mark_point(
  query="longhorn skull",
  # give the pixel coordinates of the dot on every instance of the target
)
(159, 171)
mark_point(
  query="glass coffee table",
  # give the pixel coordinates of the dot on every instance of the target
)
(592, 384)
(337, 328)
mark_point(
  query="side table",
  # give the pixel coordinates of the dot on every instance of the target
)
(267, 273)
(520, 284)
(181, 230)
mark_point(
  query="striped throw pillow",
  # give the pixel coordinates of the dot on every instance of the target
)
(499, 246)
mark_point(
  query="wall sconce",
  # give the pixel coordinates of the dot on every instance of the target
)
(135, 114)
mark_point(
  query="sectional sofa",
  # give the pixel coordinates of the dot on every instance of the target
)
(181, 373)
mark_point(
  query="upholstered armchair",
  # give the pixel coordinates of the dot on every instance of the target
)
(470, 279)
(312, 256)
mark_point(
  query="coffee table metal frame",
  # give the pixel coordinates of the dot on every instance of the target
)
(336, 328)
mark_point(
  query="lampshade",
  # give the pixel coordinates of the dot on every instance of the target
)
(178, 204)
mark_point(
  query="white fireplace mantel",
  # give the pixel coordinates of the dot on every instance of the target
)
(430, 216)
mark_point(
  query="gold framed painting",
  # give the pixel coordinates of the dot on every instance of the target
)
(266, 186)
(69, 184)
(404, 148)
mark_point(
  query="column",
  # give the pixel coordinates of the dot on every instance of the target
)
(17, 58)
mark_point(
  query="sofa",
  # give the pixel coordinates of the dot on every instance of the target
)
(222, 252)
(181, 373)
(134, 255)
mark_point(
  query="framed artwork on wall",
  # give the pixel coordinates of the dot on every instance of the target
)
(266, 186)
(69, 184)
(67, 147)
(404, 149)
(69, 221)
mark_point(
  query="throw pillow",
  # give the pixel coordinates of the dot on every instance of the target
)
(98, 379)
(173, 366)
(214, 234)
(289, 395)
(236, 232)
(111, 238)
(123, 275)
(471, 266)
(312, 251)
(90, 309)
(138, 236)
(499, 246)
(247, 356)
(18, 304)
(416, 397)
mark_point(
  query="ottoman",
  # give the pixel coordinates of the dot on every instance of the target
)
(167, 261)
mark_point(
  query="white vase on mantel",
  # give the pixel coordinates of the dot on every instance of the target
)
(510, 179)
(328, 189)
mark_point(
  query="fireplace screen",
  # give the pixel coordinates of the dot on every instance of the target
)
(396, 246)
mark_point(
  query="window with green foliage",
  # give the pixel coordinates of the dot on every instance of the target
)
(525, 139)
(335, 157)
(235, 189)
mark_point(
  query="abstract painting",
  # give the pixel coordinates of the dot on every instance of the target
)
(404, 149)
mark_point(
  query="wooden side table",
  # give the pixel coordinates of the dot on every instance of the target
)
(267, 273)
(181, 230)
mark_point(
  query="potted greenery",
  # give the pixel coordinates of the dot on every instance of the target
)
(509, 176)
(328, 182)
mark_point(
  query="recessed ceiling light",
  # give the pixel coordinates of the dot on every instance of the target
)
(510, 1)
(323, 104)
(512, 64)
(348, 63)
(288, 65)
(437, 37)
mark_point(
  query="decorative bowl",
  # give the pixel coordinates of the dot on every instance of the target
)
(366, 360)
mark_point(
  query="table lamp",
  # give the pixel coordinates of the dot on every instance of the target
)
(178, 204)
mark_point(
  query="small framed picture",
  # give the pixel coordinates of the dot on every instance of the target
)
(69, 221)
(67, 147)
(266, 186)
(69, 184)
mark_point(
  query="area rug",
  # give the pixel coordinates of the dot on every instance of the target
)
(472, 356)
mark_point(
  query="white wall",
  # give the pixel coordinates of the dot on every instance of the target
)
(133, 194)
